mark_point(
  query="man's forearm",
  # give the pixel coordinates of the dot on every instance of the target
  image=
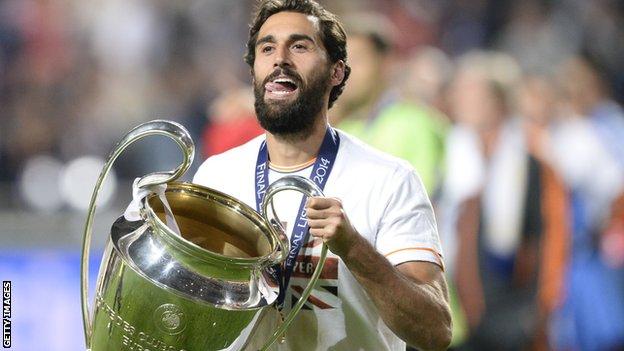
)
(414, 308)
(411, 298)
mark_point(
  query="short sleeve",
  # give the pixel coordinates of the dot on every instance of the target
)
(407, 229)
(202, 176)
(208, 175)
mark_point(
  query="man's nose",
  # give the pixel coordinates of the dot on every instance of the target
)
(282, 57)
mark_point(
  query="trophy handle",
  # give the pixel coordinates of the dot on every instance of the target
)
(308, 188)
(173, 130)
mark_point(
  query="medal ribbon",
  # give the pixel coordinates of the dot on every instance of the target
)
(320, 173)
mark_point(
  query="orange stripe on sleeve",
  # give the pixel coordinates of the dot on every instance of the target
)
(418, 248)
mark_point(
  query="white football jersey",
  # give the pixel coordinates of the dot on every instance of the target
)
(384, 200)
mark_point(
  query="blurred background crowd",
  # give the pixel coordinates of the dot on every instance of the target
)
(509, 110)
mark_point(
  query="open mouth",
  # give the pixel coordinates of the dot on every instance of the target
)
(280, 88)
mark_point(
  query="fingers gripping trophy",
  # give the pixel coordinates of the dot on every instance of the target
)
(186, 267)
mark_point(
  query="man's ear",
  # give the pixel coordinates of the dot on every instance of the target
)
(338, 73)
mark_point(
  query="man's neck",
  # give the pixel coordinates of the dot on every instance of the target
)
(292, 151)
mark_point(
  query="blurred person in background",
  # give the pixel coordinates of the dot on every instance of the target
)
(587, 94)
(537, 102)
(374, 109)
(424, 78)
(36, 52)
(76, 75)
(496, 206)
(590, 96)
(587, 151)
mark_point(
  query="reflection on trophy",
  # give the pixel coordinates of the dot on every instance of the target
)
(193, 269)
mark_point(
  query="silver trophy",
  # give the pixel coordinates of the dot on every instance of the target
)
(202, 288)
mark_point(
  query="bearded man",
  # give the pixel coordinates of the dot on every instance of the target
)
(382, 284)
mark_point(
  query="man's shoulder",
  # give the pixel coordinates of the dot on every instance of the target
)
(360, 156)
(230, 162)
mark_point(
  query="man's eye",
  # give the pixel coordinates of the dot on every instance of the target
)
(266, 49)
(299, 47)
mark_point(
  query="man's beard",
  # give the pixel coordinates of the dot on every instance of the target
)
(291, 118)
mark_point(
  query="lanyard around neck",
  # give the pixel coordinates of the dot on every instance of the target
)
(320, 173)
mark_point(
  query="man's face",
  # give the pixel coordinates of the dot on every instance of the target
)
(291, 74)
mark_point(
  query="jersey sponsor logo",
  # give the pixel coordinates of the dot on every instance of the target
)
(325, 294)
(305, 266)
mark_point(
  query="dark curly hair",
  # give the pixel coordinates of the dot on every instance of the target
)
(332, 33)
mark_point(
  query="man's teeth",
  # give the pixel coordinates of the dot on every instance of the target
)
(284, 80)
(280, 92)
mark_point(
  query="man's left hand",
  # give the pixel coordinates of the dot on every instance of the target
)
(329, 222)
